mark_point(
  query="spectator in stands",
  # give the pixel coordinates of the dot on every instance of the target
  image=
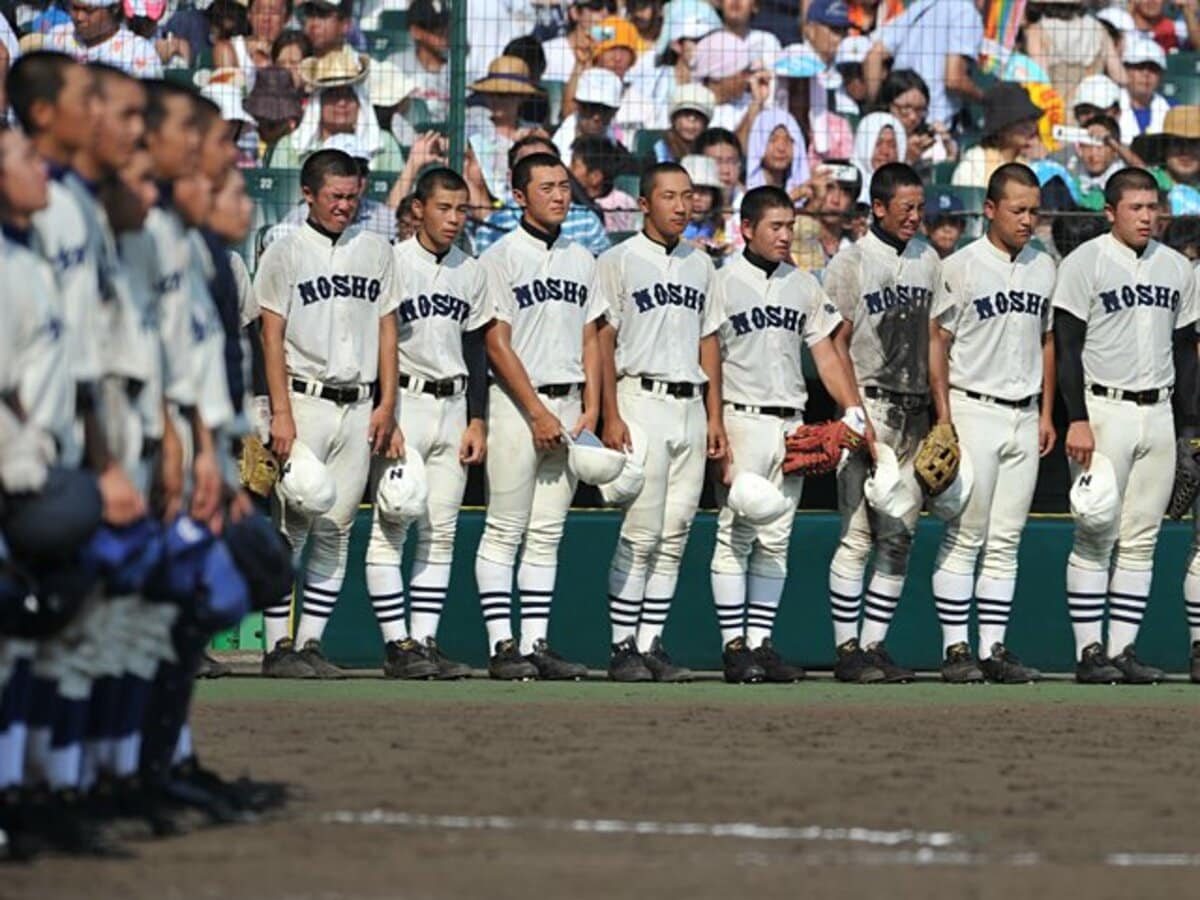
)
(1010, 128)
(97, 33)
(391, 90)
(1143, 108)
(1098, 161)
(428, 149)
(1068, 44)
(823, 233)
(1183, 234)
(687, 23)
(938, 39)
(851, 98)
(266, 20)
(867, 15)
(648, 17)
(707, 227)
(1095, 96)
(691, 110)
(1151, 21)
(617, 52)
(528, 48)
(143, 18)
(724, 64)
(492, 129)
(327, 24)
(289, 50)
(736, 16)
(880, 140)
(426, 61)
(191, 31)
(1068, 232)
(274, 102)
(406, 218)
(582, 224)
(945, 221)
(594, 166)
(597, 101)
(722, 146)
(233, 131)
(1174, 154)
(339, 105)
(575, 48)
(777, 155)
(906, 96)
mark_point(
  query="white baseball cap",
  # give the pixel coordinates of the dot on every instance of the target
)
(591, 461)
(695, 97)
(852, 50)
(403, 490)
(1095, 503)
(625, 488)
(387, 83)
(702, 170)
(756, 500)
(1119, 18)
(599, 86)
(950, 503)
(1097, 90)
(889, 490)
(305, 484)
(229, 97)
(1140, 49)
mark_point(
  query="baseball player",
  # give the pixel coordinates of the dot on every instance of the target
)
(544, 355)
(662, 372)
(1124, 334)
(767, 307)
(883, 285)
(325, 293)
(443, 386)
(991, 357)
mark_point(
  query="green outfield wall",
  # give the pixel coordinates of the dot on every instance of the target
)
(1040, 632)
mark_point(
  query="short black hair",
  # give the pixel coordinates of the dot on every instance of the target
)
(598, 154)
(158, 92)
(759, 200)
(716, 137)
(438, 177)
(528, 141)
(528, 48)
(650, 176)
(1131, 179)
(901, 81)
(1109, 124)
(289, 37)
(1010, 173)
(432, 15)
(327, 163)
(106, 73)
(890, 178)
(36, 76)
(522, 172)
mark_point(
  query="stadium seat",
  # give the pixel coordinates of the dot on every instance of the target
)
(379, 185)
(646, 139)
(1182, 89)
(417, 113)
(1183, 65)
(971, 197)
(382, 44)
(180, 75)
(944, 171)
(630, 184)
(274, 191)
(394, 20)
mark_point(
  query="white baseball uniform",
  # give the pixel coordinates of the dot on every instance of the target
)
(885, 289)
(767, 315)
(659, 301)
(997, 309)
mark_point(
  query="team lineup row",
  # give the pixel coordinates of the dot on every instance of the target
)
(511, 359)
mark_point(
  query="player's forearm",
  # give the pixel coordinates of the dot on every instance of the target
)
(939, 372)
(1187, 380)
(275, 363)
(389, 363)
(834, 375)
(475, 356)
(593, 371)
(510, 371)
(1069, 333)
(1049, 382)
(710, 363)
(607, 341)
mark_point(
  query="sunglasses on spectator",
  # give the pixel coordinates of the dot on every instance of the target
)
(919, 109)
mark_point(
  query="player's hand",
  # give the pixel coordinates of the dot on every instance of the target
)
(616, 434)
(283, 434)
(586, 422)
(123, 504)
(380, 429)
(206, 486)
(1046, 435)
(395, 445)
(869, 438)
(1081, 443)
(547, 430)
(170, 475)
(718, 442)
(473, 449)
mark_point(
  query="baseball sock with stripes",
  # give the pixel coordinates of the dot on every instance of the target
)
(427, 588)
(385, 584)
(319, 597)
(993, 605)
(625, 594)
(660, 588)
(1086, 593)
(729, 597)
(276, 622)
(762, 603)
(845, 600)
(495, 599)
(1127, 594)
(952, 597)
(1191, 598)
(536, 586)
(883, 596)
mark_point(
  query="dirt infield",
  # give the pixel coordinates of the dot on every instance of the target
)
(602, 791)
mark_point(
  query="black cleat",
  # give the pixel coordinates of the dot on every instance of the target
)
(661, 667)
(552, 667)
(1136, 671)
(777, 671)
(959, 666)
(893, 673)
(1094, 667)
(408, 659)
(852, 666)
(60, 820)
(244, 794)
(284, 662)
(448, 669)
(740, 665)
(1195, 662)
(627, 664)
(509, 665)
(311, 654)
(1003, 667)
(212, 668)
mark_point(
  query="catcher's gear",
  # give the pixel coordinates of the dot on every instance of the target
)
(1187, 477)
(817, 449)
(936, 462)
(259, 468)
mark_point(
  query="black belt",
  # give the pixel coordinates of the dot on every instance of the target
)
(1141, 398)
(447, 388)
(559, 390)
(682, 389)
(783, 412)
(341, 395)
(1000, 401)
(907, 401)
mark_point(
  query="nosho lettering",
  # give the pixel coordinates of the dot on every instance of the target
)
(331, 287)
(558, 290)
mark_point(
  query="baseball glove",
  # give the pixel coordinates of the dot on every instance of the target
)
(817, 449)
(1187, 477)
(258, 466)
(936, 462)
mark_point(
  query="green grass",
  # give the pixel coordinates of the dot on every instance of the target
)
(708, 693)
